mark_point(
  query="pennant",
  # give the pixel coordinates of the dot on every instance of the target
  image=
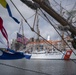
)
(3, 31)
(5, 5)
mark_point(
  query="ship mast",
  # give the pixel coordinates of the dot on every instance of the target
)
(36, 28)
(36, 25)
(22, 32)
(21, 27)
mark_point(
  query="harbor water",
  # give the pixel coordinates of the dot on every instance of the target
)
(37, 67)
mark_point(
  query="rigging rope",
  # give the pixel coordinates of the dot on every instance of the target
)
(57, 9)
(66, 9)
(35, 18)
(30, 16)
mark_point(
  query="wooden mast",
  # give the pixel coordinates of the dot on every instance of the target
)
(36, 28)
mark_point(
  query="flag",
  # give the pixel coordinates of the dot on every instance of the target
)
(21, 39)
(5, 5)
(12, 55)
(3, 31)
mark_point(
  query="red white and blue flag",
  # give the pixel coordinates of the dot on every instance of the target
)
(21, 39)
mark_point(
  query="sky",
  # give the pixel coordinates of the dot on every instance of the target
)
(12, 27)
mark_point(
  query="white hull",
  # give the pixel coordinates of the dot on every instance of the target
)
(48, 56)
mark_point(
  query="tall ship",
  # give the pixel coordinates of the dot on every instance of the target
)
(46, 49)
(39, 47)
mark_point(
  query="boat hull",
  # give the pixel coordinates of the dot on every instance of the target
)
(49, 56)
(46, 56)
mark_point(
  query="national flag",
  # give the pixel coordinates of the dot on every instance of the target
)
(3, 31)
(5, 5)
(12, 55)
(21, 39)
